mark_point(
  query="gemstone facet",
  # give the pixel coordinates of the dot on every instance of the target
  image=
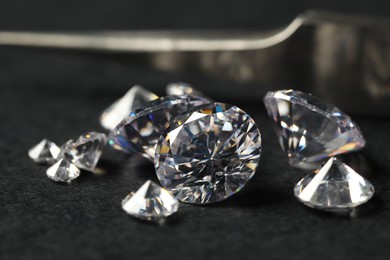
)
(208, 154)
(140, 131)
(85, 152)
(150, 202)
(334, 187)
(182, 89)
(45, 152)
(309, 130)
(136, 96)
(63, 171)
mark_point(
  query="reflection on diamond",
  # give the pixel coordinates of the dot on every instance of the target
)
(182, 89)
(44, 152)
(85, 152)
(140, 131)
(334, 186)
(150, 202)
(63, 171)
(310, 131)
(135, 97)
(208, 154)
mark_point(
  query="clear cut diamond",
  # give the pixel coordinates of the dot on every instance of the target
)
(85, 152)
(135, 97)
(63, 171)
(182, 89)
(309, 130)
(335, 186)
(139, 132)
(150, 202)
(208, 154)
(45, 152)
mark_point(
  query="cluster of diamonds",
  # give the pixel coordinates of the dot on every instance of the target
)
(67, 160)
(311, 133)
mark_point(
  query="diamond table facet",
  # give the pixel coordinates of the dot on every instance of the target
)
(63, 171)
(135, 97)
(309, 130)
(150, 202)
(208, 154)
(139, 132)
(85, 152)
(45, 152)
(333, 187)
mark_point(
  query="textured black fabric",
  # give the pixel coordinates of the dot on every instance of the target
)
(60, 95)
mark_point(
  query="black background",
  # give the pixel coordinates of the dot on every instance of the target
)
(59, 95)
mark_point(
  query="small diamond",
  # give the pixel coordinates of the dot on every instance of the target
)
(208, 154)
(136, 96)
(63, 171)
(333, 187)
(85, 151)
(150, 202)
(44, 152)
(310, 131)
(139, 132)
(182, 89)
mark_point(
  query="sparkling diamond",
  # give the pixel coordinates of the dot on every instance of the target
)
(182, 89)
(310, 131)
(140, 131)
(136, 96)
(63, 171)
(208, 154)
(85, 151)
(333, 187)
(44, 152)
(150, 202)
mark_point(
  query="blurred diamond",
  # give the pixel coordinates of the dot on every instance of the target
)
(150, 202)
(182, 89)
(44, 152)
(208, 154)
(334, 187)
(63, 171)
(85, 151)
(139, 132)
(136, 96)
(309, 130)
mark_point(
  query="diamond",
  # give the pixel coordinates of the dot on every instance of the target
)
(333, 187)
(85, 151)
(182, 89)
(136, 96)
(63, 171)
(45, 152)
(150, 202)
(208, 154)
(311, 131)
(139, 132)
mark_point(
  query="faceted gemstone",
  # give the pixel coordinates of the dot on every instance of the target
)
(85, 152)
(182, 89)
(44, 152)
(140, 131)
(63, 171)
(135, 97)
(150, 202)
(208, 154)
(334, 187)
(309, 130)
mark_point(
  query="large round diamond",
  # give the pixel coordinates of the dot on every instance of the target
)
(309, 130)
(208, 154)
(140, 131)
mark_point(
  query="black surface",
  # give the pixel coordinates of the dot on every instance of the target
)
(60, 95)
